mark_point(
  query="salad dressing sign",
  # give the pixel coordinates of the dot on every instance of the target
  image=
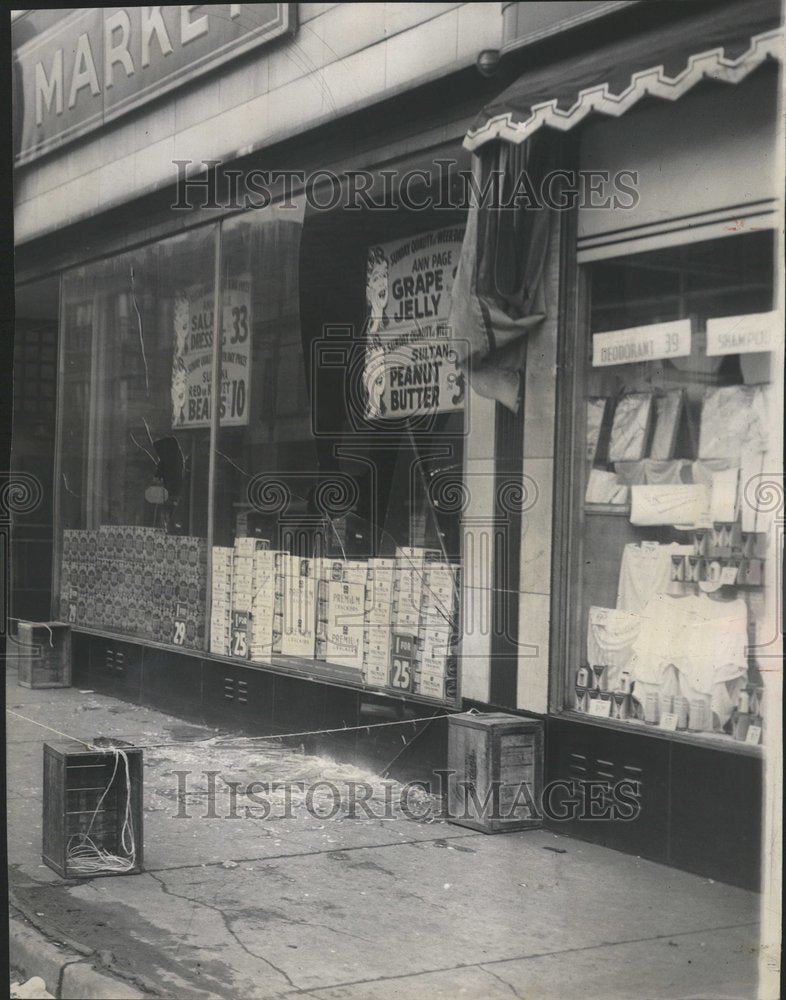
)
(192, 360)
(410, 363)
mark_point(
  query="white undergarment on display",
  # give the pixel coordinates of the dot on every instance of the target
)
(610, 637)
(645, 570)
(734, 419)
(723, 500)
(669, 472)
(703, 638)
(702, 470)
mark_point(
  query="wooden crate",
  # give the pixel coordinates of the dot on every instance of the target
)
(497, 765)
(74, 781)
(43, 655)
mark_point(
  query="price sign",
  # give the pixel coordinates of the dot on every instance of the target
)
(239, 644)
(669, 721)
(179, 628)
(402, 663)
(743, 334)
(753, 735)
(192, 359)
(641, 343)
(601, 707)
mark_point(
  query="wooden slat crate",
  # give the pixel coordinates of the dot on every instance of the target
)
(497, 760)
(43, 655)
(74, 781)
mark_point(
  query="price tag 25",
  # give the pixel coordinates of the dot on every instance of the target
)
(239, 644)
(402, 674)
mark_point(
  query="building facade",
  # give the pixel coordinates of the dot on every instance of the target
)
(516, 454)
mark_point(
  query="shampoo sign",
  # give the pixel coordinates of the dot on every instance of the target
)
(192, 359)
(410, 364)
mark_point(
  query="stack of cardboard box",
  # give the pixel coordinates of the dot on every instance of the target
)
(221, 600)
(262, 605)
(378, 622)
(298, 637)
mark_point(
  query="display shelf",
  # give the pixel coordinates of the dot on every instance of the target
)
(617, 509)
(716, 741)
(290, 666)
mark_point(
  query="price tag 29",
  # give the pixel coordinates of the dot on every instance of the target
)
(179, 630)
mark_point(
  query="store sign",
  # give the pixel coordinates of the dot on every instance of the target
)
(642, 343)
(192, 359)
(99, 63)
(410, 364)
(743, 334)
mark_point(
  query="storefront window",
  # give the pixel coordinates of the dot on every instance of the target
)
(668, 554)
(328, 484)
(133, 463)
(326, 511)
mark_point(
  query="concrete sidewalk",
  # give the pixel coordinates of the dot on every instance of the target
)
(303, 905)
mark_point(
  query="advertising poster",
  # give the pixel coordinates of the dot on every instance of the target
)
(192, 359)
(410, 364)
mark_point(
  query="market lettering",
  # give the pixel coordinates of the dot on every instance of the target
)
(121, 48)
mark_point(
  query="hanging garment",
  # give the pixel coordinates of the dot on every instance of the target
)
(734, 420)
(610, 638)
(703, 638)
(645, 570)
(672, 472)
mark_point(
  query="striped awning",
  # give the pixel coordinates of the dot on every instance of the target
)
(663, 64)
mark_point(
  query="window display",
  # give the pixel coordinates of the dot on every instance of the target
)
(675, 426)
(252, 532)
(133, 482)
(330, 556)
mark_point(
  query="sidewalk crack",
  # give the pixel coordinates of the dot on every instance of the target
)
(228, 926)
(504, 982)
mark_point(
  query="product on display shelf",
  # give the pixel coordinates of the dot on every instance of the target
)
(686, 506)
(596, 413)
(298, 636)
(704, 640)
(646, 570)
(734, 420)
(262, 605)
(605, 487)
(668, 413)
(610, 638)
(345, 623)
(221, 600)
(724, 496)
(630, 427)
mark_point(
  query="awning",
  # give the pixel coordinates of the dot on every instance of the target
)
(665, 63)
(497, 297)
